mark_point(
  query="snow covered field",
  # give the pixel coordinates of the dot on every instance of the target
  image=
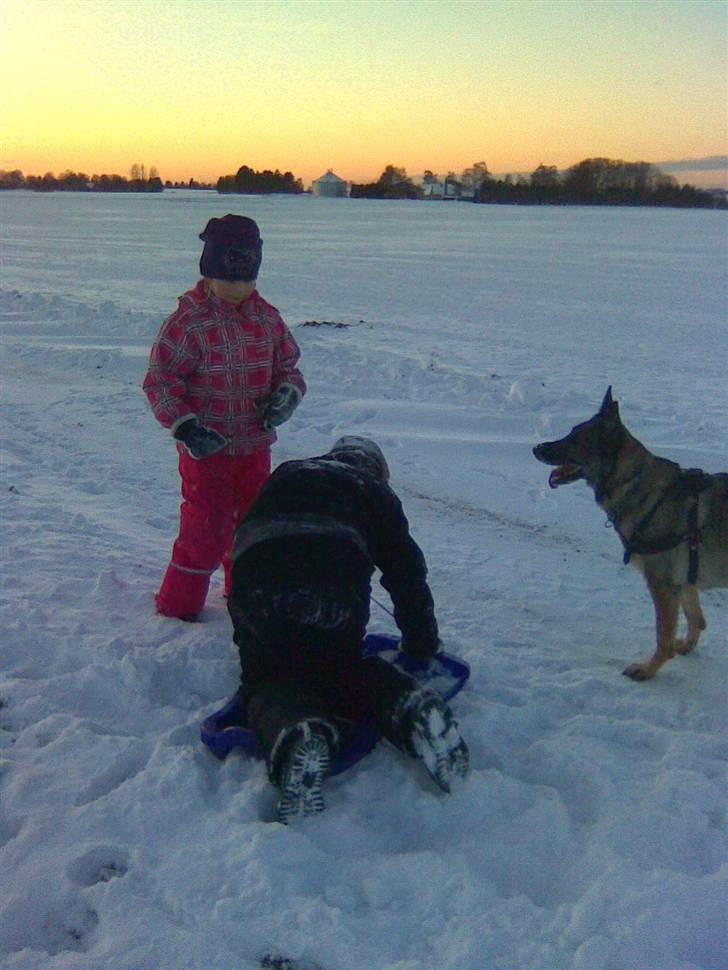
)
(591, 833)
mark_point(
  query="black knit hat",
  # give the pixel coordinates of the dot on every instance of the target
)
(233, 249)
(362, 453)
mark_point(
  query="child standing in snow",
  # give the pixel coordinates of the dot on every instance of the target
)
(222, 375)
(303, 559)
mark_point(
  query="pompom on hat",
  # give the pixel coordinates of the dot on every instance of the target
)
(233, 249)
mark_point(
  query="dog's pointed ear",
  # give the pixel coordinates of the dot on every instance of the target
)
(609, 408)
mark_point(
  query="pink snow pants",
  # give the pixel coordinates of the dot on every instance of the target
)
(216, 492)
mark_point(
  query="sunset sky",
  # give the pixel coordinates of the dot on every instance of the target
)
(198, 88)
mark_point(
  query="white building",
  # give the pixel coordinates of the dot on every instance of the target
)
(330, 186)
(434, 187)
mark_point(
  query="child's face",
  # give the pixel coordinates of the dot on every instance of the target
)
(231, 291)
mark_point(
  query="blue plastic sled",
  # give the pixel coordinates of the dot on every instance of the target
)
(226, 729)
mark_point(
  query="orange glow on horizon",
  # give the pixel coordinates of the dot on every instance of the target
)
(197, 90)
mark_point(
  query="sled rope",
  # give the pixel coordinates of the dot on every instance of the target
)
(382, 606)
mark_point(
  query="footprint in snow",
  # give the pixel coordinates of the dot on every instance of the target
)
(100, 864)
(51, 926)
(126, 767)
(367, 414)
(8, 731)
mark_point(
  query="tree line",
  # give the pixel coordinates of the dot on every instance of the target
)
(593, 181)
(596, 181)
(68, 181)
(393, 183)
(246, 181)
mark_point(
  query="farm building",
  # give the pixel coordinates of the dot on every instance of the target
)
(330, 186)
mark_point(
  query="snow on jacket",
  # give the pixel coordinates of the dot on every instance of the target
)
(214, 359)
(328, 497)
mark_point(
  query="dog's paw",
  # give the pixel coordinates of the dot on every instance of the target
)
(686, 646)
(639, 672)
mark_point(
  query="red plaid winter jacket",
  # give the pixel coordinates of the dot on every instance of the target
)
(214, 359)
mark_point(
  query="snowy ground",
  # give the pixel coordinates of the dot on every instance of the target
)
(592, 832)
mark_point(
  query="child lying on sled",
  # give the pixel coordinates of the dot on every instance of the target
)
(303, 558)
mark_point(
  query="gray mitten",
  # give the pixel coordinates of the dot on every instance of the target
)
(200, 442)
(277, 407)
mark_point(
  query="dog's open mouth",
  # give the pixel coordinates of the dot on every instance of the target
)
(564, 475)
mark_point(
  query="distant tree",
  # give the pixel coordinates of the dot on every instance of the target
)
(246, 181)
(70, 181)
(392, 175)
(48, 183)
(596, 181)
(582, 181)
(112, 183)
(139, 181)
(545, 177)
(12, 180)
(641, 179)
(393, 183)
(605, 181)
(453, 185)
(546, 184)
(473, 177)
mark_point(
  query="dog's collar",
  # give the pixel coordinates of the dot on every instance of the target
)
(601, 493)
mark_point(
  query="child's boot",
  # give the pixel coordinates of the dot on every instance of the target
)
(300, 760)
(429, 732)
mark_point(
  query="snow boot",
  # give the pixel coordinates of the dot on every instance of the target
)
(430, 733)
(300, 760)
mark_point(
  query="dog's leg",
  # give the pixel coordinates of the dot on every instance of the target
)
(694, 615)
(666, 598)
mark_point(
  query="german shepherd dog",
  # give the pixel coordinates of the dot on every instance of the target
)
(673, 522)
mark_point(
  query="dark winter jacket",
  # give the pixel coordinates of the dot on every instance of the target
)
(327, 497)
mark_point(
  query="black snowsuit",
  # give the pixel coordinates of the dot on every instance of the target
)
(303, 559)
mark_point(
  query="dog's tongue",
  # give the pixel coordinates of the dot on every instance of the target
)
(563, 475)
(555, 478)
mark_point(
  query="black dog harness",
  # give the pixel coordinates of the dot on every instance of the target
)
(690, 481)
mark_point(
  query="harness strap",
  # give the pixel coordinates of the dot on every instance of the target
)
(693, 539)
(694, 481)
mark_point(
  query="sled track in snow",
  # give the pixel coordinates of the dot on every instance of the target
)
(462, 510)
